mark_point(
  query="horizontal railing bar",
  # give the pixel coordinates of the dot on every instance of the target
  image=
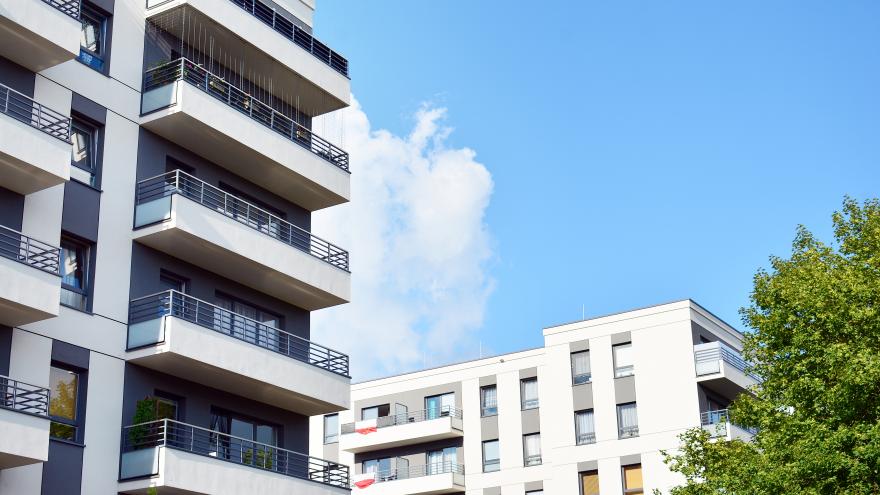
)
(409, 417)
(26, 110)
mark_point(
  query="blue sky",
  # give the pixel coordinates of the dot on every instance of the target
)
(641, 152)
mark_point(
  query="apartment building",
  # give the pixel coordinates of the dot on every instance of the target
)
(587, 413)
(158, 172)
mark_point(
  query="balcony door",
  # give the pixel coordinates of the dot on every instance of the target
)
(439, 405)
(247, 322)
(442, 461)
(246, 440)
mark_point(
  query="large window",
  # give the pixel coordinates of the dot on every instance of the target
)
(623, 360)
(590, 483)
(74, 273)
(627, 420)
(93, 48)
(632, 480)
(442, 461)
(385, 469)
(243, 323)
(580, 367)
(532, 449)
(488, 400)
(84, 151)
(584, 428)
(439, 405)
(251, 439)
(331, 428)
(63, 403)
(491, 456)
(529, 393)
(375, 412)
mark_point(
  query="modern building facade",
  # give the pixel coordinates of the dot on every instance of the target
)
(158, 172)
(588, 413)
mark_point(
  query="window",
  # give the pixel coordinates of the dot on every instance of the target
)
(584, 428)
(162, 407)
(438, 406)
(246, 440)
(63, 402)
(580, 367)
(375, 412)
(590, 483)
(532, 449)
(623, 360)
(488, 400)
(491, 456)
(331, 428)
(385, 469)
(84, 151)
(170, 281)
(92, 43)
(244, 322)
(442, 461)
(529, 393)
(627, 420)
(632, 480)
(74, 273)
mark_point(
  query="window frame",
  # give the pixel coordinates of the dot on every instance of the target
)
(491, 462)
(584, 474)
(578, 434)
(488, 411)
(87, 56)
(85, 291)
(94, 132)
(634, 429)
(526, 455)
(334, 438)
(635, 490)
(588, 375)
(528, 404)
(75, 423)
(622, 371)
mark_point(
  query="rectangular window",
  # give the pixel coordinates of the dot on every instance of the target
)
(382, 469)
(246, 441)
(331, 428)
(627, 420)
(488, 400)
(84, 151)
(63, 402)
(491, 456)
(438, 406)
(585, 429)
(442, 461)
(248, 322)
(580, 367)
(590, 483)
(74, 274)
(529, 393)
(632, 480)
(376, 412)
(532, 449)
(623, 360)
(92, 37)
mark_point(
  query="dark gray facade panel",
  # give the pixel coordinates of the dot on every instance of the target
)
(534, 485)
(17, 77)
(5, 349)
(82, 205)
(625, 389)
(489, 428)
(531, 421)
(63, 472)
(621, 338)
(195, 403)
(495, 490)
(11, 207)
(147, 265)
(629, 460)
(528, 373)
(70, 354)
(583, 396)
(698, 331)
(585, 466)
(488, 380)
(414, 400)
(416, 454)
(88, 108)
(581, 345)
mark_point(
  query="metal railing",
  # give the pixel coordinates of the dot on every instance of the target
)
(23, 397)
(530, 404)
(489, 409)
(706, 355)
(19, 247)
(203, 441)
(721, 419)
(188, 71)
(268, 12)
(27, 111)
(178, 182)
(586, 438)
(582, 378)
(491, 465)
(429, 469)
(628, 432)
(68, 7)
(409, 417)
(532, 460)
(212, 317)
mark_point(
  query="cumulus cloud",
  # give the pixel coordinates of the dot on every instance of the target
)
(420, 248)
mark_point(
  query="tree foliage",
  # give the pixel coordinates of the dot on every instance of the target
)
(816, 344)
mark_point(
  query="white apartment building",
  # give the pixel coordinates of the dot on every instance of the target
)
(588, 413)
(158, 172)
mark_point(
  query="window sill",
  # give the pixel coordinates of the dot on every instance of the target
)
(86, 184)
(489, 415)
(581, 384)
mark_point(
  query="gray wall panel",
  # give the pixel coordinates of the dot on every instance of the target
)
(414, 400)
(17, 77)
(621, 338)
(489, 428)
(5, 349)
(625, 389)
(583, 396)
(11, 208)
(531, 421)
(62, 474)
(82, 206)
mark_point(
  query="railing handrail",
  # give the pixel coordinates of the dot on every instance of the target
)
(331, 353)
(27, 244)
(218, 433)
(70, 8)
(333, 255)
(57, 124)
(341, 157)
(708, 417)
(419, 471)
(20, 399)
(713, 351)
(409, 417)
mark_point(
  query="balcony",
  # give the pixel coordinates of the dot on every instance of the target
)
(31, 286)
(24, 424)
(180, 335)
(38, 34)
(722, 369)
(35, 149)
(172, 457)
(401, 429)
(718, 424)
(194, 221)
(204, 113)
(431, 479)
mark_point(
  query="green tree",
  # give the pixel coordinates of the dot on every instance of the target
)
(816, 344)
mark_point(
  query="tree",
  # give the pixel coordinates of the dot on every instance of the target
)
(816, 345)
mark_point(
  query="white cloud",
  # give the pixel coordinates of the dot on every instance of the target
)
(419, 245)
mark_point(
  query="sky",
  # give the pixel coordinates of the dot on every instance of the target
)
(517, 166)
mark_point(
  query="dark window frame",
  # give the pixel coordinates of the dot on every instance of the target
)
(334, 437)
(87, 57)
(488, 411)
(78, 423)
(88, 260)
(491, 462)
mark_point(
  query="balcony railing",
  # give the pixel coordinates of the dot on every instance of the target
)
(628, 432)
(27, 111)
(582, 378)
(22, 397)
(489, 409)
(586, 438)
(212, 317)
(67, 7)
(202, 441)
(430, 469)
(178, 182)
(188, 71)
(19, 247)
(409, 417)
(269, 13)
(721, 420)
(532, 460)
(707, 358)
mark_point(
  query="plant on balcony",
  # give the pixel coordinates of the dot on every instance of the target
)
(263, 458)
(144, 412)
